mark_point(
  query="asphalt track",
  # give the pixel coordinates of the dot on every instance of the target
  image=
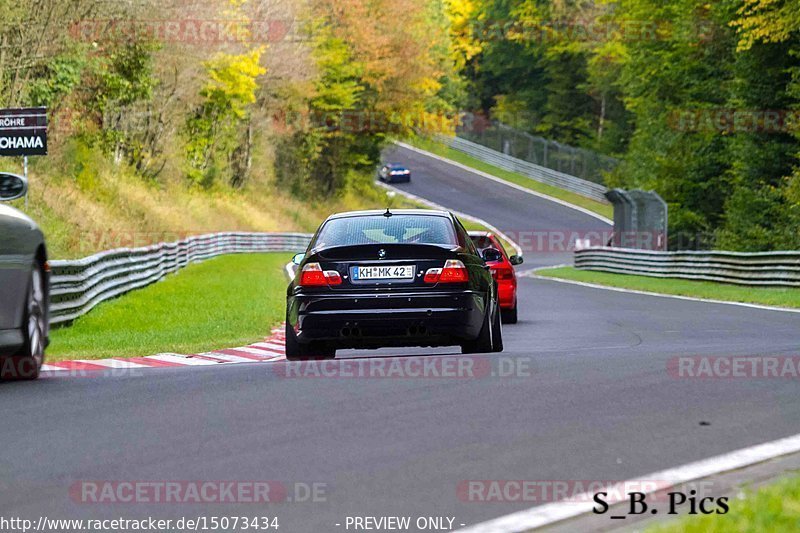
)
(597, 404)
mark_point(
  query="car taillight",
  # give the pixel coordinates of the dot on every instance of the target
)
(503, 274)
(333, 277)
(454, 271)
(432, 275)
(313, 276)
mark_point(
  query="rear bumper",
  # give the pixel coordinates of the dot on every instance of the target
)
(398, 319)
(399, 179)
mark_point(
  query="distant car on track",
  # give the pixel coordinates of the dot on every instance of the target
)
(394, 173)
(503, 270)
(371, 279)
(24, 287)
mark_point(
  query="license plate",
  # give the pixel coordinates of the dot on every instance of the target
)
(366, 273)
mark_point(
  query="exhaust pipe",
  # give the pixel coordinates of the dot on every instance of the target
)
(418, 330)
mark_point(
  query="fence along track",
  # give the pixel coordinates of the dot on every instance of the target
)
(776, 269)
(538, 173)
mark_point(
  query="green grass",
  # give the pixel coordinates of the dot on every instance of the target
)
(224, 302)
(442, 150)
(697, 289)
(772, 508)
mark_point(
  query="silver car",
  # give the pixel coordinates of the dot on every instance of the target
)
(24, 287)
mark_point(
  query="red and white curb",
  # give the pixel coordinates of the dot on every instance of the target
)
(271, 349)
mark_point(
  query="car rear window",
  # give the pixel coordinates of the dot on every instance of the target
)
(379, 229)
(483, 242)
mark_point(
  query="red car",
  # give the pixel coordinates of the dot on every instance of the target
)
(503, 272)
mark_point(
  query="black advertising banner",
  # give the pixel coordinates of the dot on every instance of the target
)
(23, 131)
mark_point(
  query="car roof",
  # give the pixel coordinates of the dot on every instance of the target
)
(373, 212)
(395, 165)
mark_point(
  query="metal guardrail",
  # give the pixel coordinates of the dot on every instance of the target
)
(595, 191)
(79, 285)
(777, 269)
(578, 162)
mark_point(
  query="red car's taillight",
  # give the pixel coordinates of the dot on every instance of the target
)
(313, 276)
(454, 271)
(503, 274)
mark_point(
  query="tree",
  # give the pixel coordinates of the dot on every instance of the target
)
(763, 211)
(380, 67)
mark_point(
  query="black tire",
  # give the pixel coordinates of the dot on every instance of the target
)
(27, 363)
(509, 315)
(483, 344)
(296, 351)
(497, 332)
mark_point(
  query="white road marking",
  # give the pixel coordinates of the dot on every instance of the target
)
(271, 346)
(227, 357)
(172, 358)
(256, 351)
(531, 274)
(548, 514)
(116, 363)
(508, 183)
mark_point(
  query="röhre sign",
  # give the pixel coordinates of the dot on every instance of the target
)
(23, 131)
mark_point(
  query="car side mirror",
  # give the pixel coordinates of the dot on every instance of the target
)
(298, 258)
(491, 254)
(516, 260)
(12, 187)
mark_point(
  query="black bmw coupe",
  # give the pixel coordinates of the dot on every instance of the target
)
(372, 279)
